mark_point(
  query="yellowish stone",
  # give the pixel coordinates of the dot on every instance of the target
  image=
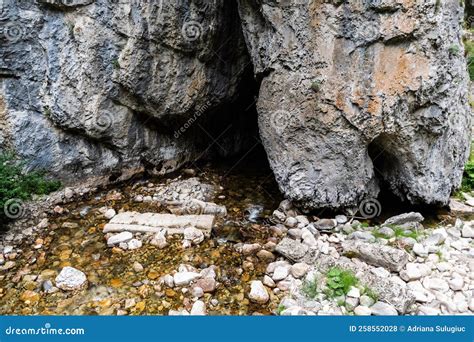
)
(116, 282)
(30, 297)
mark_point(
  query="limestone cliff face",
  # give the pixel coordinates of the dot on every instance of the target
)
(357, 91)
(352, 92)
(94, 87)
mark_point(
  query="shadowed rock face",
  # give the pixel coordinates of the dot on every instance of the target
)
(340, 77)
(91, 87)
(352, 92)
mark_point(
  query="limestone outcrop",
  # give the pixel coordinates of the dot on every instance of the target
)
(354, 92)
(92, 88)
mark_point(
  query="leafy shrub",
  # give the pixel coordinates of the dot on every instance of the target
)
(17, 184)
(339, 282)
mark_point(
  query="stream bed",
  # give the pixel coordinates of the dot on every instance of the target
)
(74, 238)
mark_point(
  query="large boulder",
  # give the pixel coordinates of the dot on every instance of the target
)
(96, 87)
(357, 91)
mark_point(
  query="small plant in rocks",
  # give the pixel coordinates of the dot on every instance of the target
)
(18, 185)
(339, 282)
(310, 288)
(403, 232)
(280, 309)
(370, 293)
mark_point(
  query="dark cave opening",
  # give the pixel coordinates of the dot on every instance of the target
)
(384, 163)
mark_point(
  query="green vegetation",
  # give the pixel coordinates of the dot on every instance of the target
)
(47, 111)
(402, 232)
(370, 293)
(339, 282)
(280, 309)
(469, 46)
(116, 64)
(310, 288)
(467, 184)
(454, 49)
(19, 185)
(316, 86)
(399, 232)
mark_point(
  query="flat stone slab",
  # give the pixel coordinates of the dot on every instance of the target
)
(153, 223)
(393, 259)
(412, 217)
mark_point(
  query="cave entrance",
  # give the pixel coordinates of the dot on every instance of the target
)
(385, 163)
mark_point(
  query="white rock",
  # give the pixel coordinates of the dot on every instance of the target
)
(198, 309)
(467, 231)
(68, 193)
(197, 292)
(362, 311)
(471, 304)
(184, 278)
(298, 270)
(70, 279)
(267, 281)
(341, 219)
(280, 273)
(428, 310)
(109, 214)
(434, 240)
(249, 249)
(420, 250)
(436, 284)
(303, 220)
(134, 244)
(196, 236)
(411, 272)
(119, 238)
(159, 240)
(178, 313)
(258, 292)
(308, 238)
(419, 292)
(354, 292)
(444, 266)
(137, 267)
(456, 283)
(273, 265)
(366, 301)
(291, 222)
(383, 309)
(168, 280)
